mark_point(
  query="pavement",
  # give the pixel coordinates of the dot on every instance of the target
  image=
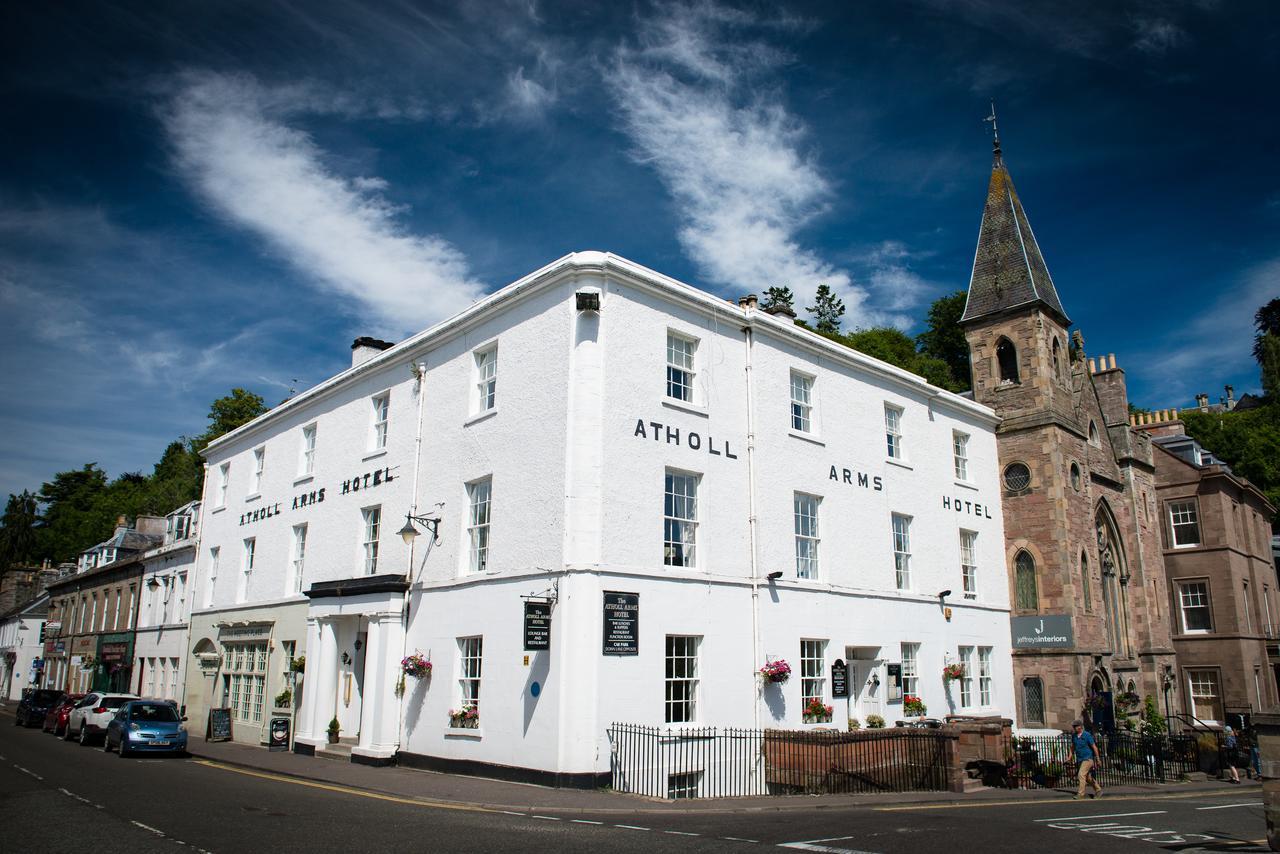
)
(461, 790)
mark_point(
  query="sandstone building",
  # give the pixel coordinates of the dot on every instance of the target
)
(1081, 533)
(1216, 538)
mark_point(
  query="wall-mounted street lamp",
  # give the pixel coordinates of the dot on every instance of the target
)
(409, 533)
(775, 575)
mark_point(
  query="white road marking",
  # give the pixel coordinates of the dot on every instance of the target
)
(738, 839)
(509, 812)
(545, 817)
(1229, 806)
(584, 821)
(147, 827)
(74, 795)
(812, 845)
(630, 827)
(805, 846)
(680, 833)
(1106, 815)
(28, 773)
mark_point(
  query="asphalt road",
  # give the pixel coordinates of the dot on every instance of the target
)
(57, 796)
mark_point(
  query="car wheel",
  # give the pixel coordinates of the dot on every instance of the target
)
(123, 751)
(84, 736)
(17, 719)
(106, 743)
(66, 733)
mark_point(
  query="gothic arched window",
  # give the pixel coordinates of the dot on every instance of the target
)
(1026, 596)
(1007, 359)
(1057, 361)
(1085, 590)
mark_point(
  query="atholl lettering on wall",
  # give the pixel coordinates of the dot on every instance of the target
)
(368, 480)
(693, 441)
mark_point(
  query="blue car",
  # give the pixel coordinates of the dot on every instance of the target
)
(146, 726)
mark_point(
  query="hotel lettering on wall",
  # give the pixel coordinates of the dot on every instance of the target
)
(303, 500)
(658, 431)
(621, 623)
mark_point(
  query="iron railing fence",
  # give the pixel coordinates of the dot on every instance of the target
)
(1048, 762)
(717, 762)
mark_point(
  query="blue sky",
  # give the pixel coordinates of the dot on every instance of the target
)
(202, 196)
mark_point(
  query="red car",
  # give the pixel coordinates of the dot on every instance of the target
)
(56, 721)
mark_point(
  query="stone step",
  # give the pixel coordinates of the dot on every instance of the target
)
(972, 784)
(341, 752)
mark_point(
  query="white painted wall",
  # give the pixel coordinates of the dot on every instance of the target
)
(577, 500)
(19, 635)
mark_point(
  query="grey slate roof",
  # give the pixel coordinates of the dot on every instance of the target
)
(1008, 269)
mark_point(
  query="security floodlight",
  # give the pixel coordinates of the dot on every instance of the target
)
(944, 594)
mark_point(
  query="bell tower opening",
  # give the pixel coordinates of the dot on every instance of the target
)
(1007, 360)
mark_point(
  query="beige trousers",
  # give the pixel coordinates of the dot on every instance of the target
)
(1084, 778)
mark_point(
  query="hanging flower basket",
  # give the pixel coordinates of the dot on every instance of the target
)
(777, 671)
(953, 671)
(468, 717)
(913, 705)
(817, 712)
(415, 665)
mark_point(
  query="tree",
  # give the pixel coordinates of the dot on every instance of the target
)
(1247, 441)
(1269, 360)
(779, 296)
(18, 537)
(944, 339)
(1267, 321)
(827, 310)
(236, 409)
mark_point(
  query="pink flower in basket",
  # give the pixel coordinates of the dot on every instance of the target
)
(415, 665)
(776, 671)
(953, 671)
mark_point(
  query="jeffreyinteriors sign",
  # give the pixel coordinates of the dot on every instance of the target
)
(658, 431)
(1042, 632)
(621, 623)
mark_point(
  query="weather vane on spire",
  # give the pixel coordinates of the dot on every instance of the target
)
(995, 129)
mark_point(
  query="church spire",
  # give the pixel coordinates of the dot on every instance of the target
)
(1008, 269)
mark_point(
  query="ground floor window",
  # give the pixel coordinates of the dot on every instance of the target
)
(682, 680)
(984, 675)
(244, 669)
(683, 785)
(1033, 701)
(1205, 694)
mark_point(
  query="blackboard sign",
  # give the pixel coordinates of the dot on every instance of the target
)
(537, 626)
(839, 679)
(278, 738)
(219, 728)
(621, 623)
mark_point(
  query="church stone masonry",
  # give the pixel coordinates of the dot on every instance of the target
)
(1081, 534)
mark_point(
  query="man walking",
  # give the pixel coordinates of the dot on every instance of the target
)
(1086, 758)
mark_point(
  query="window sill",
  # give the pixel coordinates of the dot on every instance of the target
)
(303, 478)
(480, 416)
(807, 437)
(965, 484)
(252, 497)
(691, 408)
(893, 461)
(462, 732)
(372, 455)
(218, 509)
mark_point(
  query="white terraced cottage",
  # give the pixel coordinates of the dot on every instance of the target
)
(694, 487)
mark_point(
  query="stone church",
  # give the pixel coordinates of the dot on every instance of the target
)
(1082, 535)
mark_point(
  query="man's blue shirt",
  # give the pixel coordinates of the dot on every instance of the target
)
(1084, 745)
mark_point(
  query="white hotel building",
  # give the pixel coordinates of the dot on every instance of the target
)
(597, 428)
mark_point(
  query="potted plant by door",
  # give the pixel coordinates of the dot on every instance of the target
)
(334, 729)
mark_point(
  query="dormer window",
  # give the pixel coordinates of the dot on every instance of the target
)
(1007, 361)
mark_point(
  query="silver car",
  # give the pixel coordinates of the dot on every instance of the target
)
(88, 720)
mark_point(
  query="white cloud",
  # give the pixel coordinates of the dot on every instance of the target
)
(260, 174)
(1157, 35)
(731, 158)
(1216, 345)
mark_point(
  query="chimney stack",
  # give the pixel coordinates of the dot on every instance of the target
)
(365, 348)
(749, 302)
(1231, 397)
(1202, 401)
